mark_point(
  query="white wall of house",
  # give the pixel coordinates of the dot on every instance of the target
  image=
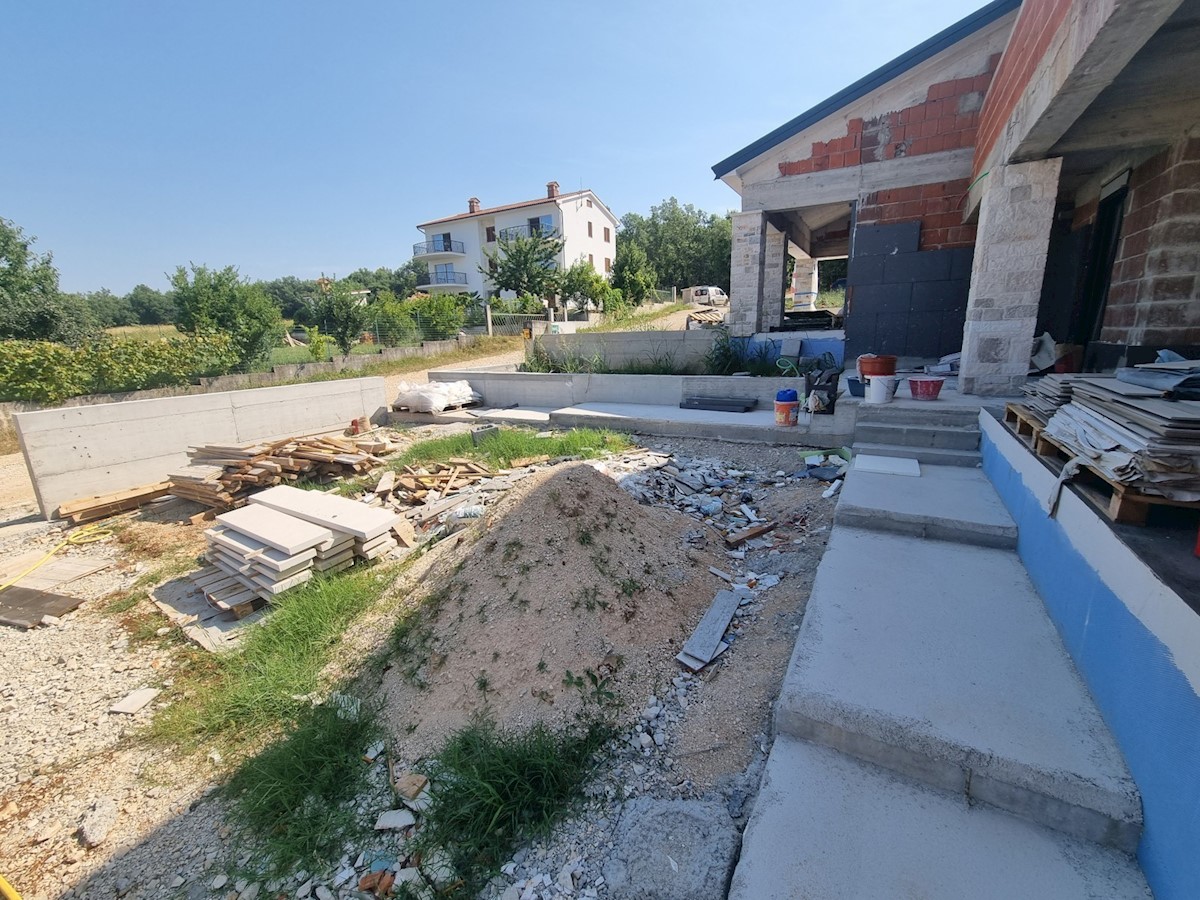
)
(569, 216)
(576, 215)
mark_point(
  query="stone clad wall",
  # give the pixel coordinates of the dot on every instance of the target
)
(1154, 297)
(1006, 277)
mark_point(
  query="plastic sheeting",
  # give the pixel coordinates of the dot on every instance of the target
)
(434, 396)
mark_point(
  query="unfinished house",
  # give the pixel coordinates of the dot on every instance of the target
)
(879, 172)
(1035, 169)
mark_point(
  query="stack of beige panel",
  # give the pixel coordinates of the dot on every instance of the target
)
(368, 528)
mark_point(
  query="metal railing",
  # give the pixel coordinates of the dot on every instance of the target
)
(432, 278)
(523, 231)
(438, 246)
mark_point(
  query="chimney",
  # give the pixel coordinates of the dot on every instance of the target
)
(473, 205)
(551, 190)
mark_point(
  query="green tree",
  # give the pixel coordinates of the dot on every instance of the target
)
(392, 321)
(290, 294)
(212, 301)
(582, 285)
(31, 306)
(685, 245)
(341, 316)
(525, 265)
(439, 316)
(526, 304)
(108, 309)
(150, 306)
(632, 273)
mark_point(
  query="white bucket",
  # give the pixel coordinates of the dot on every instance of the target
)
(881, 389)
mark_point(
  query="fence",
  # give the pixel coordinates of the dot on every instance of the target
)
(517, 324)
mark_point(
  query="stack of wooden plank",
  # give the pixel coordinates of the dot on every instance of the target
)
(88, 509)
(428, 484)
(369, 529)
(222, 476)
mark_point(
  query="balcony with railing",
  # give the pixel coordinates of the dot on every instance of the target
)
(442, 279)
(438, 247)
(523, 231)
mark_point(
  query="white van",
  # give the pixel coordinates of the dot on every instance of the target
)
(709, 295)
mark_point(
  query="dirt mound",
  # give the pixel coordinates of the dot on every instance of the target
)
(569, 573)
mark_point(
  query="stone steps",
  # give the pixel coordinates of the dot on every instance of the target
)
(948, 503)
(925, 455)
(943, 437)
(826, 825)
(938, 661)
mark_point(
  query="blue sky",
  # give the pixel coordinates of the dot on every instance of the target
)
(303, 137)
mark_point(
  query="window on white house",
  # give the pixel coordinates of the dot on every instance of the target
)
(591, 261)
(589, 229)
(444, 272)
(541, 225)
(607, 264)
(490, 233)
(441, 241)
(607, 234)
(589, 202)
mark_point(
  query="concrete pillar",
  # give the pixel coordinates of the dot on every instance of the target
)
(1015, 216)
(804, 275)
(746, 263)
(770, 301)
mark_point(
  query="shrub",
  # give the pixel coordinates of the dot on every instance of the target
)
(392, 321)
(526, 304)
(49, 372)
(211, 301)
(439, 316)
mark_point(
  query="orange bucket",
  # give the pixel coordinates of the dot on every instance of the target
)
(877, 365)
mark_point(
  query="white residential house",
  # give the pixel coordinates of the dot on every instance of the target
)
(454, 245)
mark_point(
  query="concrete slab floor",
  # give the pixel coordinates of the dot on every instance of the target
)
(939, 660)
(946, 502)
(828, 826)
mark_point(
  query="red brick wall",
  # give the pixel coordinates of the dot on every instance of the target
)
(937, 206)
(1154, 296)
(1036, 25)
(946, 120)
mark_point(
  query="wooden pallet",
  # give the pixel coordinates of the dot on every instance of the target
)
(1119, 502)
(1023, 422)
(451, 408)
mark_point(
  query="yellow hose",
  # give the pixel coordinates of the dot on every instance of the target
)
(7, 891)
(89, 534)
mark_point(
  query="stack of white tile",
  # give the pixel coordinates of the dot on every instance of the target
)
(368, 529)
(263, 552)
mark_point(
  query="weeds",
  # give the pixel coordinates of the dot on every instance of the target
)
(509, 444)
(593, 689)
(244, 695)
(494, 788)
(295, 793)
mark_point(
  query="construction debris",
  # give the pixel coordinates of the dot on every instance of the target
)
(88, 509)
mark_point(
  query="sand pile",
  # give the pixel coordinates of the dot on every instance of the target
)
(569, 573)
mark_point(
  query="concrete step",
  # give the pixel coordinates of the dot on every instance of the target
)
(915, 412)
(947, 503)
(933, 456)
(825, 825)
(944, 437)
(938, 661)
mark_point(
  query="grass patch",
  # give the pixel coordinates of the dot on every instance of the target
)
(8, 440)
(294, 793)
(636, 321)
(247, 694)
(508, 444)
(495, 788)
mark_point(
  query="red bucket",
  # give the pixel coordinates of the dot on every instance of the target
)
(925, 387)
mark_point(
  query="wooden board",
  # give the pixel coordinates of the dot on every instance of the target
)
(328, 511)
(115, 501)
(59, 570)
(740, 537)
(25, 607)
(287, 534)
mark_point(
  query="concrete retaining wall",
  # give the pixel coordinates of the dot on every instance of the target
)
(281, 374)
(1135, 642)
(685, 349)
(553, 391)
(88, 450)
